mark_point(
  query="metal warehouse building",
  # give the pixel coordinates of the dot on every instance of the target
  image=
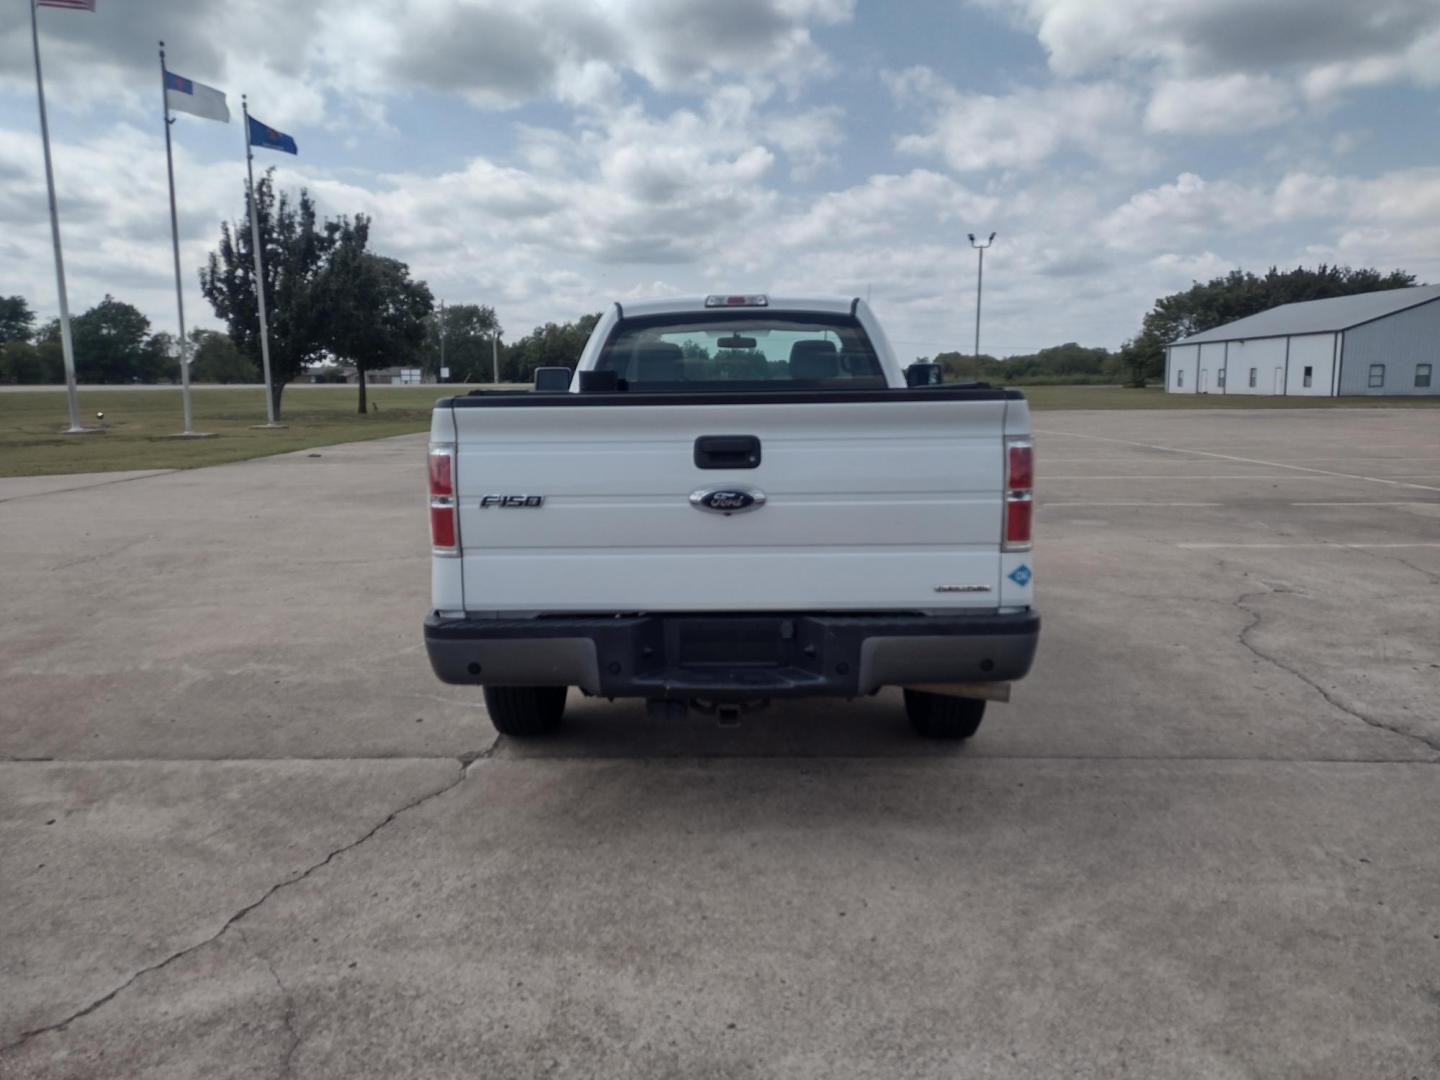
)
(1371, 343)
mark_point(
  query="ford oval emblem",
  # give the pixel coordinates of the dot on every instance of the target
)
(729, 500)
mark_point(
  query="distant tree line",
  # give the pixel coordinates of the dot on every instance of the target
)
(1061, 364)
(113, 344)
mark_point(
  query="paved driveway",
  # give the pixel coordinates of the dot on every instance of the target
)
(244, 832)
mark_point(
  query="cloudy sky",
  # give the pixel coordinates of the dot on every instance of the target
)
(546, 156)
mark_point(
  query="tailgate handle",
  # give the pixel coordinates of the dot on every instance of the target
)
(727, 452)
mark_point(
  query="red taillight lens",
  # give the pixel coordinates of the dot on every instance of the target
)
(442, 473)
(1021, 475)
(1017, 520)
(442, 525)
(444, 532)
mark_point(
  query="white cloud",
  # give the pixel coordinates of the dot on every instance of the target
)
(1220, 104)
(975, 132)
(1181, 213)
(318, 62)
(1205, 57)
(1188, 37)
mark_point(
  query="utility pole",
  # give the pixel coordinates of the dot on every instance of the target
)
(442, 342)
(979, 285)
(495, 357)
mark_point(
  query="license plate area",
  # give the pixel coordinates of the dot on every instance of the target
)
(732, 642)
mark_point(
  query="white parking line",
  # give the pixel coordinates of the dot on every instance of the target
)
(1243, 460)
(1319, 544)
(1047, 502)
(1404, 502)
(1188, 477)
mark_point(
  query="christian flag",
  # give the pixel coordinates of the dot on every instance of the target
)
(78, 5)
(187, 95)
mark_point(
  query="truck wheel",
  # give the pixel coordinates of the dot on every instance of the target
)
(525, 710)
(940, 716)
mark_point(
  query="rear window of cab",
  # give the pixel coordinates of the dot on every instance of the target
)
(759, 350)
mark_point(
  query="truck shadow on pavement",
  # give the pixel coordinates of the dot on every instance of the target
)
(871, 727)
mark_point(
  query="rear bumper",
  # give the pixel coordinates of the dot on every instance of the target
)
(732, 657)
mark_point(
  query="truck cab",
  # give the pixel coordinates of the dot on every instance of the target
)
(732, 499)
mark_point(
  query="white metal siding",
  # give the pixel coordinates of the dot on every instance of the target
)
(1180, 368)
(1212, 359)
(1263, 356)
(1315, 351)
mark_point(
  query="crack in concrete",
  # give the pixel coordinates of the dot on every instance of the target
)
(1433, 578)
(26, 1036)
(108, 554)
(287, 1063)
(1244, 638)
(87, 487)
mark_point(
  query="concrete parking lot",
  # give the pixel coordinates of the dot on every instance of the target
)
(245, 833)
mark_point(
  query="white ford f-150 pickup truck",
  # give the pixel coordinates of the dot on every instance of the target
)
(733, 499)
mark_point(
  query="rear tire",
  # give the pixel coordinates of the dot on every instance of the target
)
(940, 716)
(525, 710)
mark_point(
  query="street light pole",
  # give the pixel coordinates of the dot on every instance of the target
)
(979, 284)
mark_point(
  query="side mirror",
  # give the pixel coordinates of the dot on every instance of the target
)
(924, 375)
(552, 380)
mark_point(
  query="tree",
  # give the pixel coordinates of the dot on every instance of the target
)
(26, 365)
(294, 246)
(17, 321)
(551, 345)
(375, 313)
(160, 359)
(215, 359)
(113, 345)
(468, 330)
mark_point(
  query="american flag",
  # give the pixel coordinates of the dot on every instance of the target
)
(78, 5)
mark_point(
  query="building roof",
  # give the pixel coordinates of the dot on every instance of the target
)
(1318, 316)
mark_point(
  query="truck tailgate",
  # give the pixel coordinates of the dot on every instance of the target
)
(869, 505)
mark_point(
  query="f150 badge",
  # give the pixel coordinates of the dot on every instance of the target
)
(512, 502)
(727, 500)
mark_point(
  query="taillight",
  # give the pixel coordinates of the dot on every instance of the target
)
(1017, 522)
(1022, 467)
(442, 472)
(1019, 501)
(444, 528)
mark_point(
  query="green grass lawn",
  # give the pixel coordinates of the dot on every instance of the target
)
(136, 421)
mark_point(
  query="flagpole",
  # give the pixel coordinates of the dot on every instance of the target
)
(67, 346)
(259, 267)
(175, 247)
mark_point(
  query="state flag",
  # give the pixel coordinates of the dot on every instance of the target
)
(270, 139)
